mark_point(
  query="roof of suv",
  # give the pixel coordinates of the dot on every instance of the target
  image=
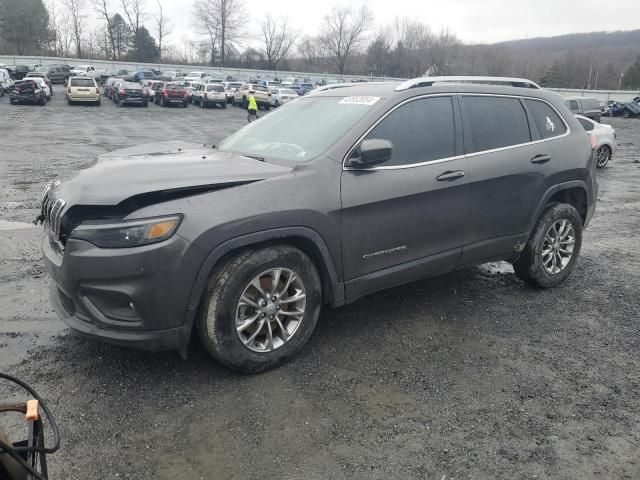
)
(389, 89)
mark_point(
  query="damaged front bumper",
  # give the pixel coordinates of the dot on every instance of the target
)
(134, 297)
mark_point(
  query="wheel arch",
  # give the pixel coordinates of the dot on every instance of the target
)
(574, 193)
(303, 238)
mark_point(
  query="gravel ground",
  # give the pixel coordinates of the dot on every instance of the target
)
(468, 375)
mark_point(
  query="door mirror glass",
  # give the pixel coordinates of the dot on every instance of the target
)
(370, 153)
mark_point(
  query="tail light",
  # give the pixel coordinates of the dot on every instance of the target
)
(593, 140)
(69, 90)
(165, 93)
(205, 95)
(122, 91)
(97, 91)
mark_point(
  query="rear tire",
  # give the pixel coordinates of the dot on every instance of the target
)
(539, 267)
(220, 312)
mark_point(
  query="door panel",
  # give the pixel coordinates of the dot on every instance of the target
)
(395, 216)
(398, 215)
(509, 172)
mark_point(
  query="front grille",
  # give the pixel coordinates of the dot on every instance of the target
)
(52, 212)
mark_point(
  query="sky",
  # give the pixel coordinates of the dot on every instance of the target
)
(473, 21)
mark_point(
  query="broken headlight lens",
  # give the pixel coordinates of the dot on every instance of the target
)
(128, 233)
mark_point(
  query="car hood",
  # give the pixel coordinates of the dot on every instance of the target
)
(174, 168)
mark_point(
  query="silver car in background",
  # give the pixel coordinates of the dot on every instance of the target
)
(280, 96)
(604, 138)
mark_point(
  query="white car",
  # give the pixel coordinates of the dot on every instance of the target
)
(174, 75)
(189, 87)
(207, 94)
(5, 80)
(86, 71)
(280, 96)
(604, 138)
(231, 88)
(194, 76)
(42, 83)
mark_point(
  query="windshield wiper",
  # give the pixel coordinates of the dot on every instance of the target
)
(260, 159)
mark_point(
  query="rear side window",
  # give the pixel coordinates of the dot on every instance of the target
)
(495, 122)
(420, 131)
(82, 82)
(573, 105)
(547, 120)
(588, 126)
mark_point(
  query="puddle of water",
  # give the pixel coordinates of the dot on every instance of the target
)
(7, 225)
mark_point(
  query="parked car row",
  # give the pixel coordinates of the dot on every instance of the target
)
(613, 108)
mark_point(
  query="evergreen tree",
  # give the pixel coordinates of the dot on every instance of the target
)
(24, 25)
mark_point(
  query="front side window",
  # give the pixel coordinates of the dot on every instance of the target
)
(547, 120)
(420, 131)
(495, 122)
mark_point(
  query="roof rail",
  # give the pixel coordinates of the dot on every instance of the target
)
(333, 86)
(430, 81)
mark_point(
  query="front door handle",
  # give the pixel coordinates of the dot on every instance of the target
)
(540, 159)
(450, 176)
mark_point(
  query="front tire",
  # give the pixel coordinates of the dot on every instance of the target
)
(259, 308)
(553, 247)
(603, 155)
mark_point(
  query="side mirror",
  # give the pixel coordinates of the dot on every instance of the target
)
(370, 153)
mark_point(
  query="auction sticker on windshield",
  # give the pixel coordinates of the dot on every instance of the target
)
(360, 100)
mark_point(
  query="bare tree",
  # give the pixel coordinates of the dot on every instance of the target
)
(134, 13)
(221, 21)
(163, 27)
(278, 40)
(443, 50)
(313, 53)
(102, 9)
(343, 32)
(75, 10)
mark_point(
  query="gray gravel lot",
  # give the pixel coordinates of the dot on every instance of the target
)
(469, 375)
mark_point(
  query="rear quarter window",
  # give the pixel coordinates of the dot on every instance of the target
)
(547, 120)
(495, 122)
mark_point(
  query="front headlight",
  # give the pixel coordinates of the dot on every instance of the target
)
(128, 233)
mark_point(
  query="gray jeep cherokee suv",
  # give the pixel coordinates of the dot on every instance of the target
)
(337, 195)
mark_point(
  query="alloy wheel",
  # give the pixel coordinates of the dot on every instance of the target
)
(557, 246)
(602, 156)
(270, 310)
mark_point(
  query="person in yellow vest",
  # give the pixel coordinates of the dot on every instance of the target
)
(252, 108)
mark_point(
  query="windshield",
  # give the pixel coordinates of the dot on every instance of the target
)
(300, 131)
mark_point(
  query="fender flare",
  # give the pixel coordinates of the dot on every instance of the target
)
(550, 193)
(335, 293)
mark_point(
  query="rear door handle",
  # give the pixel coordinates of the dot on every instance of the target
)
(450, 176)
(540, 159)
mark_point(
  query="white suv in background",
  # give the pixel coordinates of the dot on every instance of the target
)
(206, 94)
